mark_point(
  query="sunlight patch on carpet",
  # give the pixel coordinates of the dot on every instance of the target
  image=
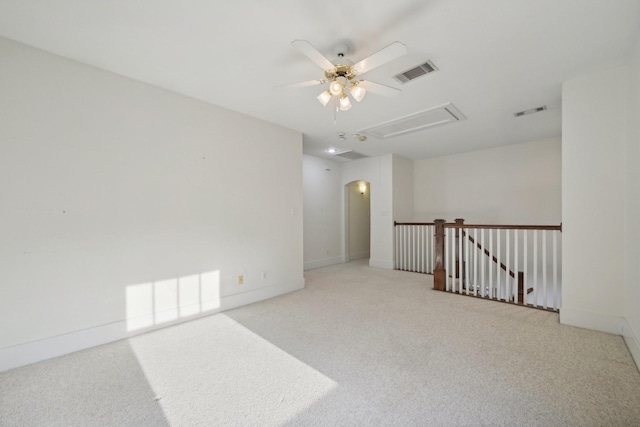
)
(224, 370)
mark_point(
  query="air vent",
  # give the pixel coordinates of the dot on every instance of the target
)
(415, 72)
(351, 155)
(441, 115)
(530, 111)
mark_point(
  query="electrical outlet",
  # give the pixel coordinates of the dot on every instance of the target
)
(240, 279)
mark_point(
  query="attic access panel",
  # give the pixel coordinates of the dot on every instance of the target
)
(443, 114)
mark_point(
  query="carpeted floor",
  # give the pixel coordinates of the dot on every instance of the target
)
(357, 346)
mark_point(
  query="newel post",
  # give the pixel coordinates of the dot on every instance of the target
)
(439, 274)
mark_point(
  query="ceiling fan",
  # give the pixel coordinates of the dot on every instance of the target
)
(343, 77)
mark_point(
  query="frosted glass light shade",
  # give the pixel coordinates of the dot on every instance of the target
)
(324, 97)
(345, 104)
(336, 87)
(357, 92)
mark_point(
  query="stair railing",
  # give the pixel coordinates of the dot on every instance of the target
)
(530, 250)
(414, 246)
(519, 264)
(521, 290)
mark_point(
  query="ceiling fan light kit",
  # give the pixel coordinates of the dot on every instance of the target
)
(342, 77)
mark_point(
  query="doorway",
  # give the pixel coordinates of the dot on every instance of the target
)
(357, 220)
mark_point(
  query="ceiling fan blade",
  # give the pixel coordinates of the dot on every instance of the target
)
(379, 89)
(387, 54)
(299, 84)
(313, 54)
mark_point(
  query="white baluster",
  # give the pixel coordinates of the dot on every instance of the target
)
(460, 262)
(544, 267)
(515, 268)
(453, 259)
(425, 249)
(484, 262)
(433, 248)
(420, 254)
(555, 270)
(448, 253)
(525, 260)
(535, 266)
(405, 247)
(400, 247)
(410, 252)
(423, 252)
(409, 246)
(491, 285)
(465, 239)
(418, 248)
(416, 245)
(475, 261)
(508, 283)
(395, 247)
(498, 269)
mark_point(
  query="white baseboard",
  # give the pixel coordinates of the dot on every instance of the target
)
(589, 320)
(47, 348)
(633, 341)
(381, 263)
(325, 262)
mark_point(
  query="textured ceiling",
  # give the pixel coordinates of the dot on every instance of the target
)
(495, 57)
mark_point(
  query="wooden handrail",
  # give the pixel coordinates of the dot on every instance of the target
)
(487, 226)
(413, 223)
(503, 227)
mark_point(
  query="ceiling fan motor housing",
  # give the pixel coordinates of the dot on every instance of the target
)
(340, 70)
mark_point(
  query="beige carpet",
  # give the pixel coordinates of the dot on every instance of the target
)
(358, 346)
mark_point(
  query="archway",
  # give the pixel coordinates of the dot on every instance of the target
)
(357, 220)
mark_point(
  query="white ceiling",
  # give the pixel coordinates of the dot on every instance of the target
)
(495, 57)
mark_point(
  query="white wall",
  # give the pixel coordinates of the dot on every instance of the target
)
(358, 220)
(323, 213)
(324, 240)
(514, 184)
(631, 328)
(593, 202)
(378, 171)
(126, 207)
(402, 189)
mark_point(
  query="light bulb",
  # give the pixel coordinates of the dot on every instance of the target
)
(324, 97)
(357, 92)
(335, 88)
(345, 104)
